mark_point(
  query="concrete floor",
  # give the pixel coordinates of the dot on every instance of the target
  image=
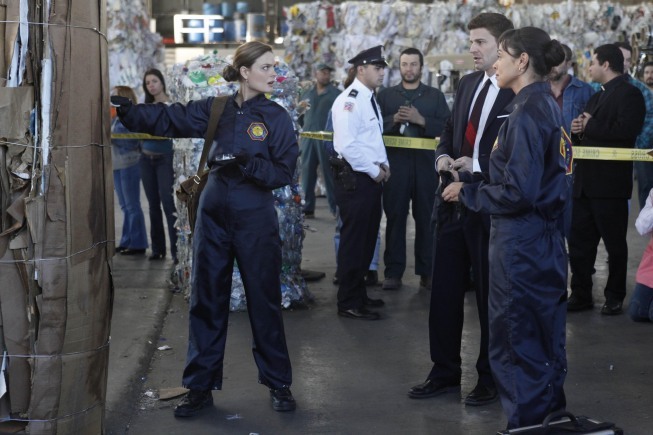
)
(351, 377)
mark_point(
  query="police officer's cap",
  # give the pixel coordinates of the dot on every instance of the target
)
(371, 56)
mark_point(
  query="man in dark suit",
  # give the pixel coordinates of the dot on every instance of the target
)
(612, 118)
(461, 236)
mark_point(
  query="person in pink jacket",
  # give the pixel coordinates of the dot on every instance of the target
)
(641, 302)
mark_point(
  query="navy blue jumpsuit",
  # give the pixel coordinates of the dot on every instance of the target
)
(236, 220)
(526, 196)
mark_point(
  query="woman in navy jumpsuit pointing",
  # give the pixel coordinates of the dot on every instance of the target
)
(525, 196)
(255, 151)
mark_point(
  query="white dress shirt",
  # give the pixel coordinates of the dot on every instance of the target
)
(491, 97)
(357, 132)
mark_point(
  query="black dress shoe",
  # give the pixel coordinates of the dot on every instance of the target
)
(120, 248)
(369, 302)
(359, 313)
(193, 402)
(129, 251)
(282, 400)
(372, 278)
(432, 388)
(157, 257)
(482, 395)
(576, 304)
(611, 308)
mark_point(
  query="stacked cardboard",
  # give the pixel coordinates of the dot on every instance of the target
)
(56, 238)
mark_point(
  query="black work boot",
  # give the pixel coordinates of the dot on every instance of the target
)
(193, 402)
(282, 399)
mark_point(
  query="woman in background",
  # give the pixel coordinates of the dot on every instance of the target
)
(158, 175)
(125, 155)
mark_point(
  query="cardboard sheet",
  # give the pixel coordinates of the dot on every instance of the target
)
(15, 107)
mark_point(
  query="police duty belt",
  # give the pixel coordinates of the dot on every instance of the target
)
(580, 153)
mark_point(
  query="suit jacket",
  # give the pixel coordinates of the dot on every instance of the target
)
(451, 139)
(617, 118)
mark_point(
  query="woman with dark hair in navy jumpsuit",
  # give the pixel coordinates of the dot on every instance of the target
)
(525, 196)
(236, 220)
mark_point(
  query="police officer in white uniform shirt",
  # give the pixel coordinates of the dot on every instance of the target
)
(359, 173)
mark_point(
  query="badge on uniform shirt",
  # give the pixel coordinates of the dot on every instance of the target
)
(353, 93)
(349, 106)
(257, 131)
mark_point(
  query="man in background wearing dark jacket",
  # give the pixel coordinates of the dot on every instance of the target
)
(612, 118)
(410, 109)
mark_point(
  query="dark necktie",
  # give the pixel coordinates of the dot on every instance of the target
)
(471, 131)
(376, 112)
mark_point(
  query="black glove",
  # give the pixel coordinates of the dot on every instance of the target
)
(122, 104)
(242, 158)
(224, 162)
(446, 178)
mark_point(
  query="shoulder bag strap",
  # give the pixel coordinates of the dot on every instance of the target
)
(217, 107)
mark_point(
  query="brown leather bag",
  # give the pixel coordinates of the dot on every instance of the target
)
(189, 190)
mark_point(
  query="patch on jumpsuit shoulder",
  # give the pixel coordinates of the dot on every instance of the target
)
(349, 106)
(257, 131)
(566, 151)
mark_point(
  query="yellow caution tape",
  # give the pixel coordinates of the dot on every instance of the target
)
(417, 143)
(600, 153)
(136, 136)
(582, 153)
(319, 135)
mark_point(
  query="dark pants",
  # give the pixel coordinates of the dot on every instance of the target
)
(640, 307)
(314, 154)
(458, 244)
(360, 211)
(527, 309)
(235, 224)
(158, 176)
(644, 172)
(592, 220)
(413, 180)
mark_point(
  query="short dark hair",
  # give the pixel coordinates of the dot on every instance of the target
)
(543, 52)
(495, 23)
(647, 64)
(149, 98)
(626, 46)
(413, 50)
(612, 54)
(568, 53)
